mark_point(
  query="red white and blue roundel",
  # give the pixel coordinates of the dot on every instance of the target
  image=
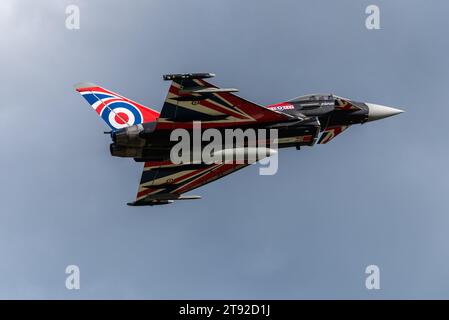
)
(120, 114)
(117, 111)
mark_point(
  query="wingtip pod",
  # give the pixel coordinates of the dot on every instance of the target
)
(181, 76)
(155, 200)
(151, 203)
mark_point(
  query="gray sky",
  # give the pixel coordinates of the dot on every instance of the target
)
(375, 195)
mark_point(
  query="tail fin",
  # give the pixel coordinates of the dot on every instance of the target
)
(117, 111)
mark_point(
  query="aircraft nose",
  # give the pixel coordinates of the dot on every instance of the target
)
(376, 111)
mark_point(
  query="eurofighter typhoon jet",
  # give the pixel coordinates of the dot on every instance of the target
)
(144, 134)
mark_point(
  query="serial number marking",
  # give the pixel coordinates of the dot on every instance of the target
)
(249, 309)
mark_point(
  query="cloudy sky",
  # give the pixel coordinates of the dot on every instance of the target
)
(375, 195)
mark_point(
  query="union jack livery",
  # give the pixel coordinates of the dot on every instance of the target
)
(144, 134)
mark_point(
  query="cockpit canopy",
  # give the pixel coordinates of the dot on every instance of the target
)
(313, 97)
(314, 104)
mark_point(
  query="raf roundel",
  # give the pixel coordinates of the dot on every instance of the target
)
(120, 114)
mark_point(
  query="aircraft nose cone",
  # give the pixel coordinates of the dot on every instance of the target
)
(376, 111)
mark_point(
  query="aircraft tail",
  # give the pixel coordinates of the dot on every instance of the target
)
(117, 111)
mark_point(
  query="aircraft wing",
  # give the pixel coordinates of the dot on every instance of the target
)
(191, 98)
(163, 182)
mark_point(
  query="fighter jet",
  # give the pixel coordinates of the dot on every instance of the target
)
(143, 134)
